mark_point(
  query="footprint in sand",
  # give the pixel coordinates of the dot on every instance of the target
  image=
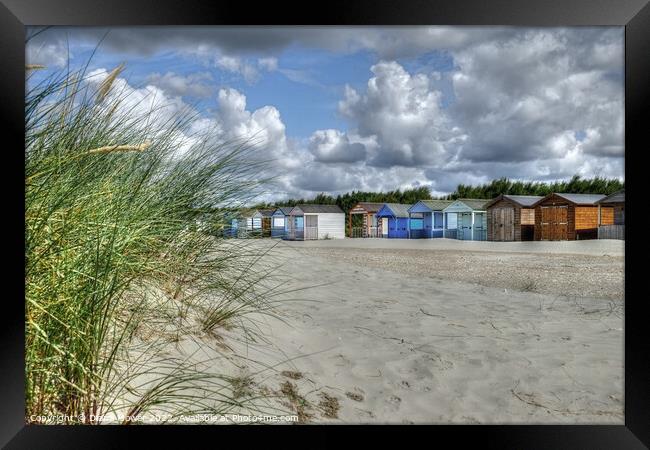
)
(341, 361)
(356, 396)
(364, 414)
(394, 402)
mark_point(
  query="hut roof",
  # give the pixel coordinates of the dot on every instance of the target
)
(578, 199)
(437, 205)
(616, 197)
(475, 203)
(521, 200)
(315, 209)
(286, 210)
(266, 212)
(398, 209)
(371, 206)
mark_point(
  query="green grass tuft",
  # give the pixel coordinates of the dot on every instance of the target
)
(116, 265)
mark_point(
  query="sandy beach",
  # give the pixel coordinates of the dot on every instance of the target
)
(161, 182)
(386, 333)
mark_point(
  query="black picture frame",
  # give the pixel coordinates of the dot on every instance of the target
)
(634, 15)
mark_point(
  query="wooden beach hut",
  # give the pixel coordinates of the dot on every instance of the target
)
(394, 220)
(511, 218)
(363, 222)
(279, 221)
(611, 216)
(307, 222)
(562, 217)
(262, 222)
(466, 219)
(426, 219)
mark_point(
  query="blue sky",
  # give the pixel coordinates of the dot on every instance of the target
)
(382, 108)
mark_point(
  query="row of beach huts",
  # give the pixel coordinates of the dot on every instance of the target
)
(554, 217)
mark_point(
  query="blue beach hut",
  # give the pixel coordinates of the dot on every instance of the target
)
(279, 221)
(470, 217)
(426, 219)
(394, 220)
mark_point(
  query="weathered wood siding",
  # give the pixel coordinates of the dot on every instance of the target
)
(528, 216)
(606, 215)
(551, 201)
(586, 217)
(611, 232)
(619, 215)
(494, 231)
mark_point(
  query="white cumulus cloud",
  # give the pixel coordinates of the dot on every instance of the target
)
(333, 146)
(402, 112)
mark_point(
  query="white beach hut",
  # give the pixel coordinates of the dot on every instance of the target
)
(307, 222)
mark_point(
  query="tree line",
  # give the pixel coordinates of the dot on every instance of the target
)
(576, 185)
(349, 199)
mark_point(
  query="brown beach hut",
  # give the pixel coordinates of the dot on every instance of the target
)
(369, 226)
(611, 223)
(262, 221)
(511, 217)
(562, 217)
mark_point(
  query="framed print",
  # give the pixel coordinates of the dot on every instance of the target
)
(359, 215)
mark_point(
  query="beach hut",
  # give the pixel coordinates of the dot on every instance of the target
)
(242, 224)
(307, 222)
(235, 224)
(611, 216)
(233, 218)
(426, 219)
(279, 221)
(368, 226)
(394, 220)
(511, 218)
(466, 219)
(262, 221)
(562, 217)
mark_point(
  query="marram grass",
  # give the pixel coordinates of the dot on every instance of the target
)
(120, 148)
(116, 266)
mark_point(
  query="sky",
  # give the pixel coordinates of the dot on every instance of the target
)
(336, 109)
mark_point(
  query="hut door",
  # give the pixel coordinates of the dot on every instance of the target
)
(478, 226)
(501, 222)
(547, 220)
(384, 226)
(311, 227)
(554, 223)
(562, 222)
(504, 226)
(508, 224)
(465, 228)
